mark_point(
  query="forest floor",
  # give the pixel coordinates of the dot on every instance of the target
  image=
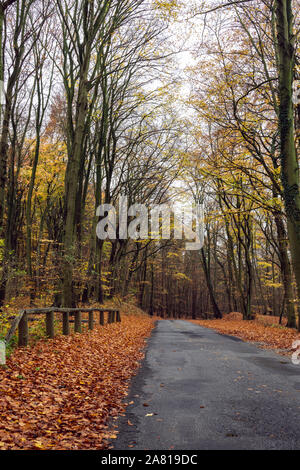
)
(64, 393)
(264, 330)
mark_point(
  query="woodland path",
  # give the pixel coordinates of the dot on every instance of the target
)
(210, 391)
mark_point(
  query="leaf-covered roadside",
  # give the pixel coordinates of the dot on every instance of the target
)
(269, 336)
(61, 393)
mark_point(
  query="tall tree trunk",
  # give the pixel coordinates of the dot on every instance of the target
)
(71, 188)
(289, 162)
(217, 312)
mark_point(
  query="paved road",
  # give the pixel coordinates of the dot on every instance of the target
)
(209, 391)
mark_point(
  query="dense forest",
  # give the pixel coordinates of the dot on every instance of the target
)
(163, 102)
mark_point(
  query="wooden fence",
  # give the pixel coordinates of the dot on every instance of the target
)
(21, 321)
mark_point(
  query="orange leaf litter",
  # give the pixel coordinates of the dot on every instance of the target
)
(62, 393)
(263, 330)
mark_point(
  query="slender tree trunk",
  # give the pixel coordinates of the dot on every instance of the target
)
(217, 312)
(151, 306)
(29, 197)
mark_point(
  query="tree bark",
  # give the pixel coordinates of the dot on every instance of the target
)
(217, 312)
(289, 162)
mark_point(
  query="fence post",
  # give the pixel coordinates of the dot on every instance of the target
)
(77, 326)
(118, 316)
(113, 316)
(66, 323)
(101, 318)
(23, 330)
(109, 319)
(50, 325)
(91, 320)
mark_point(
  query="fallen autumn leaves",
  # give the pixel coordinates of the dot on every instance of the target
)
(61, 393)
(269, 336)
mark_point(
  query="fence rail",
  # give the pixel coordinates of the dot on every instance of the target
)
(23, 318)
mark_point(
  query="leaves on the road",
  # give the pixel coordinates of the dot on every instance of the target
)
(267, 333)
(61, 393)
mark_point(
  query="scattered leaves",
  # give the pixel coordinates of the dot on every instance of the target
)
(270, 336)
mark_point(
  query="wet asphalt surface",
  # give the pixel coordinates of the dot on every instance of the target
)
(206, 391)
